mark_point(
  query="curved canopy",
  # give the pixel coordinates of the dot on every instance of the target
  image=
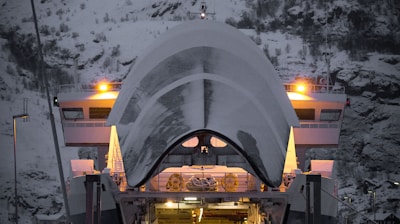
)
(203, 75)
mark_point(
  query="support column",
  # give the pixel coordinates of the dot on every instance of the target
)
(315, 218)
(101, 157)
(308, 202)
(90, 179)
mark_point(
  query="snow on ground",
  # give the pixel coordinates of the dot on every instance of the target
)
(118, 32)
(38, 177)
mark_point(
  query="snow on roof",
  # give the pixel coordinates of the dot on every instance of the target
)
(203, 75)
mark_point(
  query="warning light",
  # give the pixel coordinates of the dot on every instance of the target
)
(103, 87)
(55, 102)
(301, 88)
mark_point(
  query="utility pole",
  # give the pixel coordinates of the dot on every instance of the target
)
(15, 162)
(327, 54)
(315, 216)
(53, 125)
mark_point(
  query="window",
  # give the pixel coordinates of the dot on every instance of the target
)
(72, 113)
(305, 114)
(330, 114)
(214, 141)
(193, 142)
(217, 143)
(99, 112)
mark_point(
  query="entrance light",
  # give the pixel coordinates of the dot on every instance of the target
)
(169, 203)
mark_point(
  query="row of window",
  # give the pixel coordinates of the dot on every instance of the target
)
(326, 114)
(103, 112)
(94, 113)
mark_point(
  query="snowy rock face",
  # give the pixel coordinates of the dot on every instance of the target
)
(375, 140)
(374, 114)
(369, 141)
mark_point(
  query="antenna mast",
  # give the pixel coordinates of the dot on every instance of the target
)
(327, 54)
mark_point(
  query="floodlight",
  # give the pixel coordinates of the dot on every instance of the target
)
(103, 87)
(301, 87)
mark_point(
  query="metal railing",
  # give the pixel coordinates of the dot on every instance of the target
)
(84, 124)
(318, 125)
(315, 88)
(203, 182)
(68, 88)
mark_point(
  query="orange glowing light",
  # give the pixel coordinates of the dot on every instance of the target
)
(301, 88)
(110, 95)
(103, 87)
(169, 203)
(298, 96)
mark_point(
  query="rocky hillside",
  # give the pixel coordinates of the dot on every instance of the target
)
(355, 26)
(369, 142)
(84, 41)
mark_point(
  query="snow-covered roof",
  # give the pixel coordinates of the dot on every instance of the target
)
(203, 75)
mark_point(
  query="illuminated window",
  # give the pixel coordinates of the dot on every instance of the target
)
(99, 112)
(217, 143)
(330, 114)
(72, 113)
(193, 142)
(214, 141)
(305, 114)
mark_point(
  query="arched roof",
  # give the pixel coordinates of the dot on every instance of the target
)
(203, 75)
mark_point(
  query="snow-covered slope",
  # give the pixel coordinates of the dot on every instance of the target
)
(102, 39)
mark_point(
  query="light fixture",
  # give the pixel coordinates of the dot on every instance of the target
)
(103, 86)
(201, 214)
(190, 198)
(204, 149)
(301, 87)
(15, 117)
(55, 102)
(169, 203)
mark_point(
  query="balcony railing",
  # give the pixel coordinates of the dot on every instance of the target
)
(68, 88)
(314, 88)
(319, 125)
